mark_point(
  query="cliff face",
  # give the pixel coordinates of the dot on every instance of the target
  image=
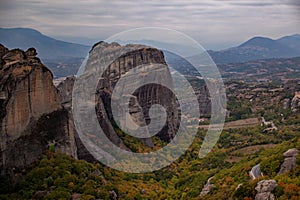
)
(31, 114)
(28, 90)
(203, 100)
(143, 97)
(36, 115)
(65, 89)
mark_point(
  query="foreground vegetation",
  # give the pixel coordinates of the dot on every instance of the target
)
(58, 176)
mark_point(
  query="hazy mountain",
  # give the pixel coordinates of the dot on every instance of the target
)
(64, 58)
(292, 41)
(254, 49)
(48, 48)
(259, 48)
(185, 50)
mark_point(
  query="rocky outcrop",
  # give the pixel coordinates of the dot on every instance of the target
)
(264, 190)
(31, 115)
(113, 195)
(65, 89)
(295, 103)
(255, 172)
(290, 159)
(204, 100)
(143, 97)
(3, 51)
(35, 114)
(207, 187)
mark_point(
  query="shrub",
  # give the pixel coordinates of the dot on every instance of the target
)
(59, 193)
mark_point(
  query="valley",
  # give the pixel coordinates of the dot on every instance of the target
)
(261, 129)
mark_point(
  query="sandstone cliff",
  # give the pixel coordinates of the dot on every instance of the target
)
(65, 89)
(144, 96)
(35, 114)
(31, 114)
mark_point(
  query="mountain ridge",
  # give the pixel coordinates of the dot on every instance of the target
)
(259, 47)
(48, 47)
(64, 58)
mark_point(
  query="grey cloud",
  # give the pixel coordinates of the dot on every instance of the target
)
(211, 21)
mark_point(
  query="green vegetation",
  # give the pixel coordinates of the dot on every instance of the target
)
(61, 176)
(239, 109)
(57, 176)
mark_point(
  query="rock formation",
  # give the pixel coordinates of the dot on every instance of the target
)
(264, 190)
(65, 89)
(143, 97)
(295, 103)
(31, 116)
(207, 187)
(35, 114)
(290, 159)
(204, 100)
(255, 172)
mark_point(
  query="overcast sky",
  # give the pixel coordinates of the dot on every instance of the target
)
(215, 24)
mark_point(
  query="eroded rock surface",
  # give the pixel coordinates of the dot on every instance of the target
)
(207, 187)
(35, 114)
(290, 160)
(31, 116)
(134, 57)
(264, 190)
(295, 103)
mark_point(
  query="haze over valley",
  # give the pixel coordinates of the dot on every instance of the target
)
(116, 100)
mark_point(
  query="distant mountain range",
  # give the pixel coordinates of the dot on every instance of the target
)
(259, 48)
(64, 58)
(47, 47)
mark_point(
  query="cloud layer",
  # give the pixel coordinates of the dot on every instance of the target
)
(213, 23)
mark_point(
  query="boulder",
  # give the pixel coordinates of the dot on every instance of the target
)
(264, 190)
(266, 186)
(207, 187)
(290, 159)
(265, 196)
(31, 52)
(255, 172)
(291, 153)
